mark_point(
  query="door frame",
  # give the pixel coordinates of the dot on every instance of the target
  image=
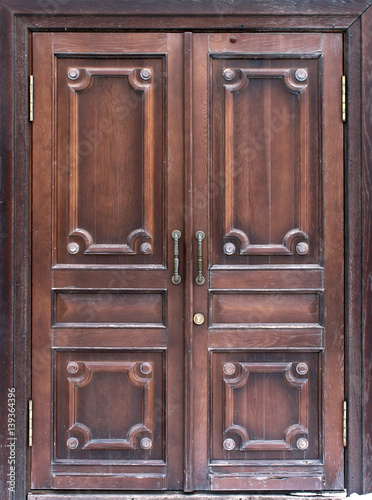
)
(18, 18)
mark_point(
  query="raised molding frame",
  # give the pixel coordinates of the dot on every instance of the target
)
(18, 18)
(146, 91)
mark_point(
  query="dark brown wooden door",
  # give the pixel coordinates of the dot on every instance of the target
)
(107, 334)
(231, 379)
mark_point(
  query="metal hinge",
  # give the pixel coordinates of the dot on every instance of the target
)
(30, 422)
(343, 98)
(31, 98)
(344, 424)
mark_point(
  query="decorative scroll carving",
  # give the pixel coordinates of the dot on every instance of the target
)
(140, 80)
(140, 375)
(241, 433)
(295, 83)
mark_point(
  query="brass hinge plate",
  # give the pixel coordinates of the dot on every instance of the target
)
(31, 98)
(30, 422)
(344, 424)
(343, 98)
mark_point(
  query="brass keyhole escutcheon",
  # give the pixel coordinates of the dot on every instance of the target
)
(199, 319)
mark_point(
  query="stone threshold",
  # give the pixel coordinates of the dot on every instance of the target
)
(339, 495)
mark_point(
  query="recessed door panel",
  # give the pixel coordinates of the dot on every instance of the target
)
(267, 136)
(105, 406)
(109, 175)
(248, 390)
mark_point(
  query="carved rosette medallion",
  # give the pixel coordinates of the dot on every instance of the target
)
(146, 248)
(302, 248)
(229, 444)
(229, 369)
(302, 368)
(301, 75)
(146, 443)
(73, 367)
(73, 248)
(302, 444)
(73, 74)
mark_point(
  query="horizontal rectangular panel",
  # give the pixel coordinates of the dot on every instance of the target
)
(262, 308)
(267, 338)
(261, 482)
(107, 308)
(111, 43)
(255, 279)
(130, 338)
(144, 481)
(106, 278)
(109, 405)
(258, 44)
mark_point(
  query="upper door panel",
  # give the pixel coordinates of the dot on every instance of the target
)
(265, 153)
(109, 173)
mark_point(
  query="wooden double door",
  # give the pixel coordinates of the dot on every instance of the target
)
(187, 262)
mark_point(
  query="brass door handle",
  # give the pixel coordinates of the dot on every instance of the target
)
(200, 280)
(176, 278)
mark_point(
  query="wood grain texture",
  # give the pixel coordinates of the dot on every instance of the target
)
(189, 267)
(107, 404)
(241, 22)
(97, 308)
(42, 253)
(221, 7)
(263, 308)
(306, 337)
(262, 385)
(353, 309)
(109, 178)
(333, 255)
(367, 246)
(280, 279)
(6, 234)
(22, 264)
(276, 150)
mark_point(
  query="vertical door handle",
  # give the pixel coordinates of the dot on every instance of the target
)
(200, 280)
(176, 278)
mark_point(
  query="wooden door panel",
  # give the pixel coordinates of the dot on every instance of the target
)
(109, 177)
(105, 346)
(248, 390)
(110, 309)
(267, 137)
(108, 407)
(234, 309)
(272, 171)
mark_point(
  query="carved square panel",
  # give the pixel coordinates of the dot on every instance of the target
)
(109, 406)
(266, 163)
(109, 174)
(265, 406)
